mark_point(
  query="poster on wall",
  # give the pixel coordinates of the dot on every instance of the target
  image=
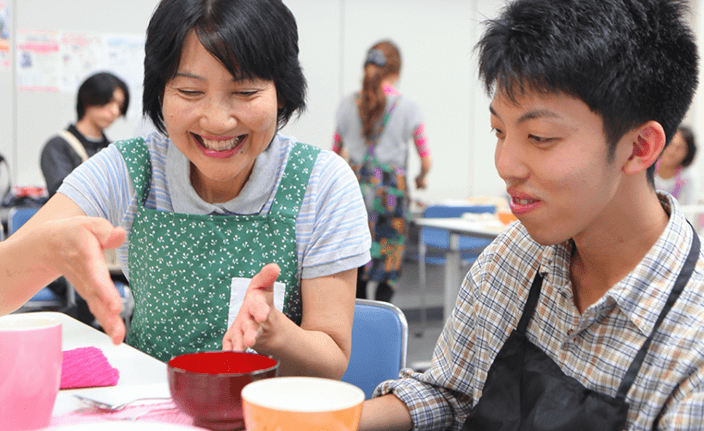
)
(38, 60)
(80, 57)
(5, 35)
(124, 56)
(53, 61)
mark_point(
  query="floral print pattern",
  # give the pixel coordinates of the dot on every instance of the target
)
(181, 265)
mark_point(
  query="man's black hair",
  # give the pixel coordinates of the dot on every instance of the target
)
(630, 61)
(97, 90)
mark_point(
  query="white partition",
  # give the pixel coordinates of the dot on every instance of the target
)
(436, 38)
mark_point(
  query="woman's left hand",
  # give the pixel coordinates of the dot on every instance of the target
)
(420, 181)
(253, 323)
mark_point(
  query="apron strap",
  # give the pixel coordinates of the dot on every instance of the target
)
(294, 180)
(139, 164)
(532, 301)
(371, 141)
(680, 283)
(75, 144)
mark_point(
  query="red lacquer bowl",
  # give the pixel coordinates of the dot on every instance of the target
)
(207, 385)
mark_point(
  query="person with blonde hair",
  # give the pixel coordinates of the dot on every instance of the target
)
(374, 129)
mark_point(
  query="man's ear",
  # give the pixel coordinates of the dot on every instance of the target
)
(647, 143)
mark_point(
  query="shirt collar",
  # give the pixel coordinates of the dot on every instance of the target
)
(642, 294)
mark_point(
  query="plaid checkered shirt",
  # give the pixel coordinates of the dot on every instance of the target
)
(595, 347)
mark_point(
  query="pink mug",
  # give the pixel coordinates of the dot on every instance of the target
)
(30, 370)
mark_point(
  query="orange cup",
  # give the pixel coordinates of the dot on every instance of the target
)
(506, 217)
(301, 403)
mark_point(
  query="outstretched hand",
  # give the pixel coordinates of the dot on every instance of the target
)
(79, 249)
(253, 325)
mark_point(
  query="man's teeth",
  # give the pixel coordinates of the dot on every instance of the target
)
(221, 145)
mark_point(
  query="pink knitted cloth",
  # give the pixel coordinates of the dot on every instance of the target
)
(87, 367)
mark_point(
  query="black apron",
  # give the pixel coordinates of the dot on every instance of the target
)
(525, 390)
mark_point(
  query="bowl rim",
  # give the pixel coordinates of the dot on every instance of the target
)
(173, 368)
(357, 399)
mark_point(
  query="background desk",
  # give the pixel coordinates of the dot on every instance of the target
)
(453, 264)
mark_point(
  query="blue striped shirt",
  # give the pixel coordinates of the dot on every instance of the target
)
(332, 234)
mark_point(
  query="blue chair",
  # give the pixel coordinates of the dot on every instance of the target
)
(127, 302)
(17, 216)
(438, 241)
(45, 299)
(379, 344)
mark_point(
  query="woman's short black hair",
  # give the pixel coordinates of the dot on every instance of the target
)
(630, 61)
(688, 136)
(251, 38)
(97, 90)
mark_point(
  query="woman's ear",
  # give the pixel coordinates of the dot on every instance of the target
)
(647, 144)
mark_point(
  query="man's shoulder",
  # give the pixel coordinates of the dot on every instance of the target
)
(55, 144)
(56, 139)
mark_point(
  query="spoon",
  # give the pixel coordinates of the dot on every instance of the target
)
(115, 407)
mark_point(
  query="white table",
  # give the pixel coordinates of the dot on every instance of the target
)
(140, 374)
(453, 264)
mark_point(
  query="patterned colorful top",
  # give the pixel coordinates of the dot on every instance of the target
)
(405, 125)
(595, 347)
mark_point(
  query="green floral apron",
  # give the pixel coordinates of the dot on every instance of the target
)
(189, 273)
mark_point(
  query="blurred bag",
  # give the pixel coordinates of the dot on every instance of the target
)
(29, 196)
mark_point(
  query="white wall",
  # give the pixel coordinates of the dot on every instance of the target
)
(38, 115)
(439, 73)
(436, 39)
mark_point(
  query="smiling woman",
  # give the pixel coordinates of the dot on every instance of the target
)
(237, 237)
(221, 125)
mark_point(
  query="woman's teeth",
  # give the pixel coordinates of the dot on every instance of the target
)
(220, 144)
(523, 201)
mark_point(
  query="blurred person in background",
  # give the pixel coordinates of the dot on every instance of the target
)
(675, 173)
(374, 128)
(102, 99)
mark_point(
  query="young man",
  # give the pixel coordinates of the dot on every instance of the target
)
(101, 99)
(589, 313)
